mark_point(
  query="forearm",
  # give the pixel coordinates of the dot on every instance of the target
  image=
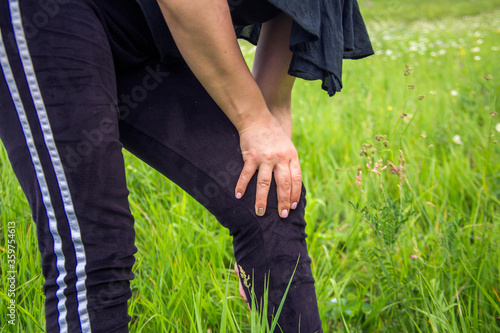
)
(204, 34)
(270, 68)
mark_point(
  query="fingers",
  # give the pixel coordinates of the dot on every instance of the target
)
(264, 178)
(288, 178)
(296, 177)
(283, 188)
(268, 149)
(249, 168)
(263, 184)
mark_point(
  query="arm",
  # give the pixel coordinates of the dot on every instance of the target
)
(270, 69)
(203, 32)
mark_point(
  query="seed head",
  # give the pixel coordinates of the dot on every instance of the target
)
(402, 159)
(488, 77)
(399, 170)
(421, 97)
(366, 150)
(244, 277)
(408, 70)
(394, 168)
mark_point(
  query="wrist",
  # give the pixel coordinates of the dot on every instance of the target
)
(284, 117)
(261, 117)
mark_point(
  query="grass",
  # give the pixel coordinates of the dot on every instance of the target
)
(420, 255)
(409, 11)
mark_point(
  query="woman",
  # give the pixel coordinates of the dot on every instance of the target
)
(82, 78)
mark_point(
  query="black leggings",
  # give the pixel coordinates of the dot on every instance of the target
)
(81, 79)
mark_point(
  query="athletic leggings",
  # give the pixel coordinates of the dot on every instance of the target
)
(80, 80)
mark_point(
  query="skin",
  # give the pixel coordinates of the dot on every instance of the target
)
(258, 104)
(270, 69)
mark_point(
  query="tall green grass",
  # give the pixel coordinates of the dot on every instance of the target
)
(419, 255)
(408, 11)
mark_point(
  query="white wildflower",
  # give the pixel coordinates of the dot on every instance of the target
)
(475, 49)
(457, 140)
(497, 127)
(479, 41)
(454, 93)
(477, 58)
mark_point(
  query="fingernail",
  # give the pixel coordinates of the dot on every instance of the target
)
(284, 213)
(238, 195)
(294, 205)
(260, 211)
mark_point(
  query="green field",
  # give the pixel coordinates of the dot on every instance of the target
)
(412, 249)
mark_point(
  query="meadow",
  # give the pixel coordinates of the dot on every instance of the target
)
(403, 204)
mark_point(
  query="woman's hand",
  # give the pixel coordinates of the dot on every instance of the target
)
(267, 148)
(204, 34)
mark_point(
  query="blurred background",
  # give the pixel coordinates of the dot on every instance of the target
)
(403, 176)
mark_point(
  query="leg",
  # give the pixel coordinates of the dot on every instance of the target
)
(59, 126)
(177, 128)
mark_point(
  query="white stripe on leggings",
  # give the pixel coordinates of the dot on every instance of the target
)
(57, 165)
(16, 98)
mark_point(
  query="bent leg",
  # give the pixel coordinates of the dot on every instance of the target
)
(177, 128)
(59, 126)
